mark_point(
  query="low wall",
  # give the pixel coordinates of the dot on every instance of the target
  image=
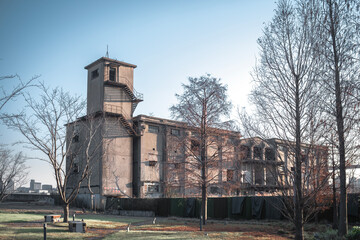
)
(26, 197)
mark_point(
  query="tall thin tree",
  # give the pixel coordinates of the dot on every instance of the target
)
(285, 85)
(340, 21)
(202, 105)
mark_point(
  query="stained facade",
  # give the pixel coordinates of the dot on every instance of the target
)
(148, 157)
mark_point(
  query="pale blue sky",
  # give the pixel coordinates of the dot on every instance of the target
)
(168, 41)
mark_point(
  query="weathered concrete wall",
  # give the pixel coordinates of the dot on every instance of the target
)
(152, 164)
(95, 89)
(126, 76)
(117, 162)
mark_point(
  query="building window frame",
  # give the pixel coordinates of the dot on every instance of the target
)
(95, 74)
(175, 132)
(153, 129)
(112, 74)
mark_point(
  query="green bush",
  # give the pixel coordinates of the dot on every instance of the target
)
(329, 234)
(354, 233)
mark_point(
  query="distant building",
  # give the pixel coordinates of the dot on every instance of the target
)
(35, 186)
(47, 187)
(23, 190)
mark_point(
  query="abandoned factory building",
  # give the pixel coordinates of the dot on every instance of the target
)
(146, 157)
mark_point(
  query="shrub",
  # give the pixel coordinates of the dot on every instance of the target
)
(329, 234)
(354, 233)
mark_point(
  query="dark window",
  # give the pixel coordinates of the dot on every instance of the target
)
(259, 174)
(152, 163)
(153, 129)
(94, 74)
(195, 145)
(76, 168)
(304, 158)
(75, 138)
(257, 152)
(269, 154)
(153, 188)
(230, 175)
(112, 74)
(244, 152)
(214, 190)
(175, 132)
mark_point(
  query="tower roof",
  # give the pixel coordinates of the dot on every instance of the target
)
(112, 61)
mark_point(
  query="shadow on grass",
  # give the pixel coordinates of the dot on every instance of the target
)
(41, 230)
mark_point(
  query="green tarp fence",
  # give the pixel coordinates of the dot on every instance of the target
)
(219, 208)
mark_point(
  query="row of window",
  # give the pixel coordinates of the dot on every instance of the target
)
(258, 153)
(155, 129)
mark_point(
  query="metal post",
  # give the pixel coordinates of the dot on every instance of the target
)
(45, 225)
(74, 217)
(200, 223)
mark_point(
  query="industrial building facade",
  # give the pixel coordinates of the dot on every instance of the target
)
(147, 157)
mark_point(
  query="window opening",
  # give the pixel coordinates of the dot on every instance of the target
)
(112, 74)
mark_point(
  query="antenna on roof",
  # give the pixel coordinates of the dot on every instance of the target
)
(107, 51)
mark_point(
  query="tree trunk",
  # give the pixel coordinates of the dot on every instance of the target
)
(343, 221)
(204, 163)
(335, 210)
(204, 204)
(299, 229)
(66, 212)
(92, 202)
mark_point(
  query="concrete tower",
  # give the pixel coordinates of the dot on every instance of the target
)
(110, 91)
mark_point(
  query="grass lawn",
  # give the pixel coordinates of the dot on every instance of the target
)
(30, 226)
(173, 235)
(15, 225)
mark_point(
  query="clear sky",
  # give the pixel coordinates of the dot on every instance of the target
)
(168, 41)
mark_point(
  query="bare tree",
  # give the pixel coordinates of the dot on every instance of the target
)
(286, 87)
(86, 143)
(44, 126)
(340, 22)
(12, 171)
(9, 94)
(202, 105)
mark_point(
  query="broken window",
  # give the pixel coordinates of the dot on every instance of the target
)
(259, 175)
(112, 74)
(269, 154)
(95, 74)
(195, 145)
(153, 188)
(230, 175)
(244, 152)
(152, 163)
(75, 138)
(76, 168)
(153, 129)
(257, 152)
(271, 175)
(175, 132)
